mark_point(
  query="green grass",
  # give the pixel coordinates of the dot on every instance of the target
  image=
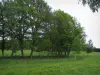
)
(83, 65)
(26, 53)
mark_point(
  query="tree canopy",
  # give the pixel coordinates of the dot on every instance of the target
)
(32, 25)
(93, 4)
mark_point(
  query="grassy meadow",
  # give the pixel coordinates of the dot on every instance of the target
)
(26, 53)
(84, 64)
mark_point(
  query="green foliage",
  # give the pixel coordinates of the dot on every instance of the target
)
(93, 4)
(76, 45)
(90, 47)
(32, 25)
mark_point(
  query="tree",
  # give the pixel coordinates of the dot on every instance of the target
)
(76, 45)
(61, 32)
(90, 47)
(79, 38)
(93, 4)
(22, 21)
(32, 25)
(65, 24)
(53, 36)
(38, 21)
(11, 21)
(3, 24)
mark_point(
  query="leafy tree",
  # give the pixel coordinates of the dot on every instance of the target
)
(22, 22)
(30, 24)
(79, 36)
(77, 45)
(11, 21)
(90, 46)
(3, 24)
(53, 37)
(38, 21)
(93, 4)
(65, 25)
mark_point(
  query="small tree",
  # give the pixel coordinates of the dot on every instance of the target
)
(76, 46)
(90, 47)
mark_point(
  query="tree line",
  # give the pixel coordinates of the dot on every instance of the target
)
(33, 25)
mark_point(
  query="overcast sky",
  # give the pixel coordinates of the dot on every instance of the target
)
(89, 20)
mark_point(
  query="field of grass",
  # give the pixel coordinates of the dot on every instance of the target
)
(26, 53)
(85, 64)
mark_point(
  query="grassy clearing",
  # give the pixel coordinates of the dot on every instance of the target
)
(83, 65)
(26, 53)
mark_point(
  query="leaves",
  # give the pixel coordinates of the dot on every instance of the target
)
(93, 4)
(31, 24)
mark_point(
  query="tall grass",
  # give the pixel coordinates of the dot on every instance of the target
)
(26, 53)
(83, 65)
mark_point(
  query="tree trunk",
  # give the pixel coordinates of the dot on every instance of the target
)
(48, 52)
(68, 52)
(65, 53)
(39, 54)
(52, 49)
(21, 47)
(2, 53)
(3, 33)
(22, 53)
(12, 52)
(3, 46)
(31, 52)
(58, 54)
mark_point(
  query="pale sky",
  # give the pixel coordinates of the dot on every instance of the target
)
(89, 20)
